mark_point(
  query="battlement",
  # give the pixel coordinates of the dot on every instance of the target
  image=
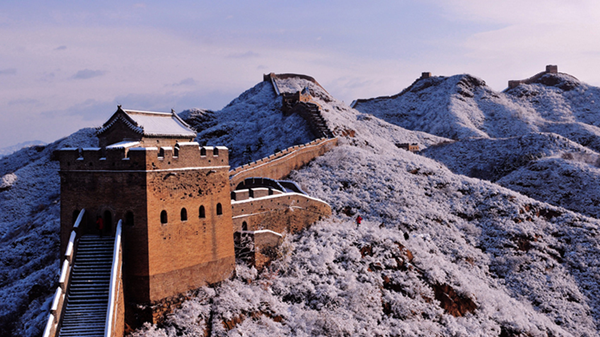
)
(182, 155)
(280, 164)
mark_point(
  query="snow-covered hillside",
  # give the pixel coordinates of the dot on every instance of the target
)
(477, 259)
(544, 166)
(252, 126)
(29, 228)
(463, 106)
(10, 149)
(439, 253)
(544, 135)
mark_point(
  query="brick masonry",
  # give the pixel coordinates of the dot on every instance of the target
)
(281, 213)
(279, 165)
(159, 259)
(174, 198)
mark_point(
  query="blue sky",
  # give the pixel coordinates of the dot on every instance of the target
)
(65, 65)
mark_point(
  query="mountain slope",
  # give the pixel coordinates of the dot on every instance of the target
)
(29, 235)
(455, 107)
(477, 259)
(462, 106)
(439, 253)
(252, 126)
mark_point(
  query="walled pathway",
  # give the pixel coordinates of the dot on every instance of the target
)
(280, 164)
(309, 110)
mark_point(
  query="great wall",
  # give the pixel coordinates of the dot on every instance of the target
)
(550, 69)
(175, 218)
(280, 164)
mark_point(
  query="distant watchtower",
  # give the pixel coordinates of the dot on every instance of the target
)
(173, 197)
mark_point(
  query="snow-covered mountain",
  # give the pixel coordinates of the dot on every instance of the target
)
(10, 149)
(29, 234)
(463, 106)
(439, 253)
(540, 139)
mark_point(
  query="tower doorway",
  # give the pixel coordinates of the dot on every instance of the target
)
(108, 227)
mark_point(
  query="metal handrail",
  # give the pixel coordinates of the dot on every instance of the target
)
(61, 290)
(114, 279)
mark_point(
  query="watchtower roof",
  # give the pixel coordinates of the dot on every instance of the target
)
(150, 123)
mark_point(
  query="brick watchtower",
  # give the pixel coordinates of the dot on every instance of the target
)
(172, 195)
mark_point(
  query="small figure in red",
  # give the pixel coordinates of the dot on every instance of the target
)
(100, 224)
(358, 221)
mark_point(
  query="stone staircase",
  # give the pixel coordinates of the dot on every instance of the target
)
(87, 298)
(312, 114)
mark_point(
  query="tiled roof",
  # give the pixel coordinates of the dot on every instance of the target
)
(149, 123)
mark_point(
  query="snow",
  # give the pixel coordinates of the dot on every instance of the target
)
(7, 180)
(155, 123)
(122, 145)
(11, 149)
(529, 267)
(29, 228)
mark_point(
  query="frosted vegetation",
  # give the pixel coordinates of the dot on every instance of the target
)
(29, 234)
(439, 253)
(515, 266)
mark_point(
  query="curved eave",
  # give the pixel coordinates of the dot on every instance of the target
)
(127, 123)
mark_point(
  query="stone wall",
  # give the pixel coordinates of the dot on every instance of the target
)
(279, 165)
(272, 77)
(281, 213)
(550, 69)
(185, 253)
(185, 155)
(159, 259)
(414, 147)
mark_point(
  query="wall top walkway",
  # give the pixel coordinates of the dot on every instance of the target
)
(314, 148)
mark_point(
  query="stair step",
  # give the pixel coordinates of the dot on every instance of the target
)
(89, 286)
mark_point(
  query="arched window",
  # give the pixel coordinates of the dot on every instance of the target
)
(202, 212)
(161, 153)
(215, 152)
(129, 219)
(203, 152)
(244, 226)
(163, 217)
(176, 151)
(219, 209)
(183, 214)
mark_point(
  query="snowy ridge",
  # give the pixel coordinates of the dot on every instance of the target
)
(438, 254)
(29, 228)
(484, 260)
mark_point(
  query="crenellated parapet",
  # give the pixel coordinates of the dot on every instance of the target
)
(280, 164)
(182, 155)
